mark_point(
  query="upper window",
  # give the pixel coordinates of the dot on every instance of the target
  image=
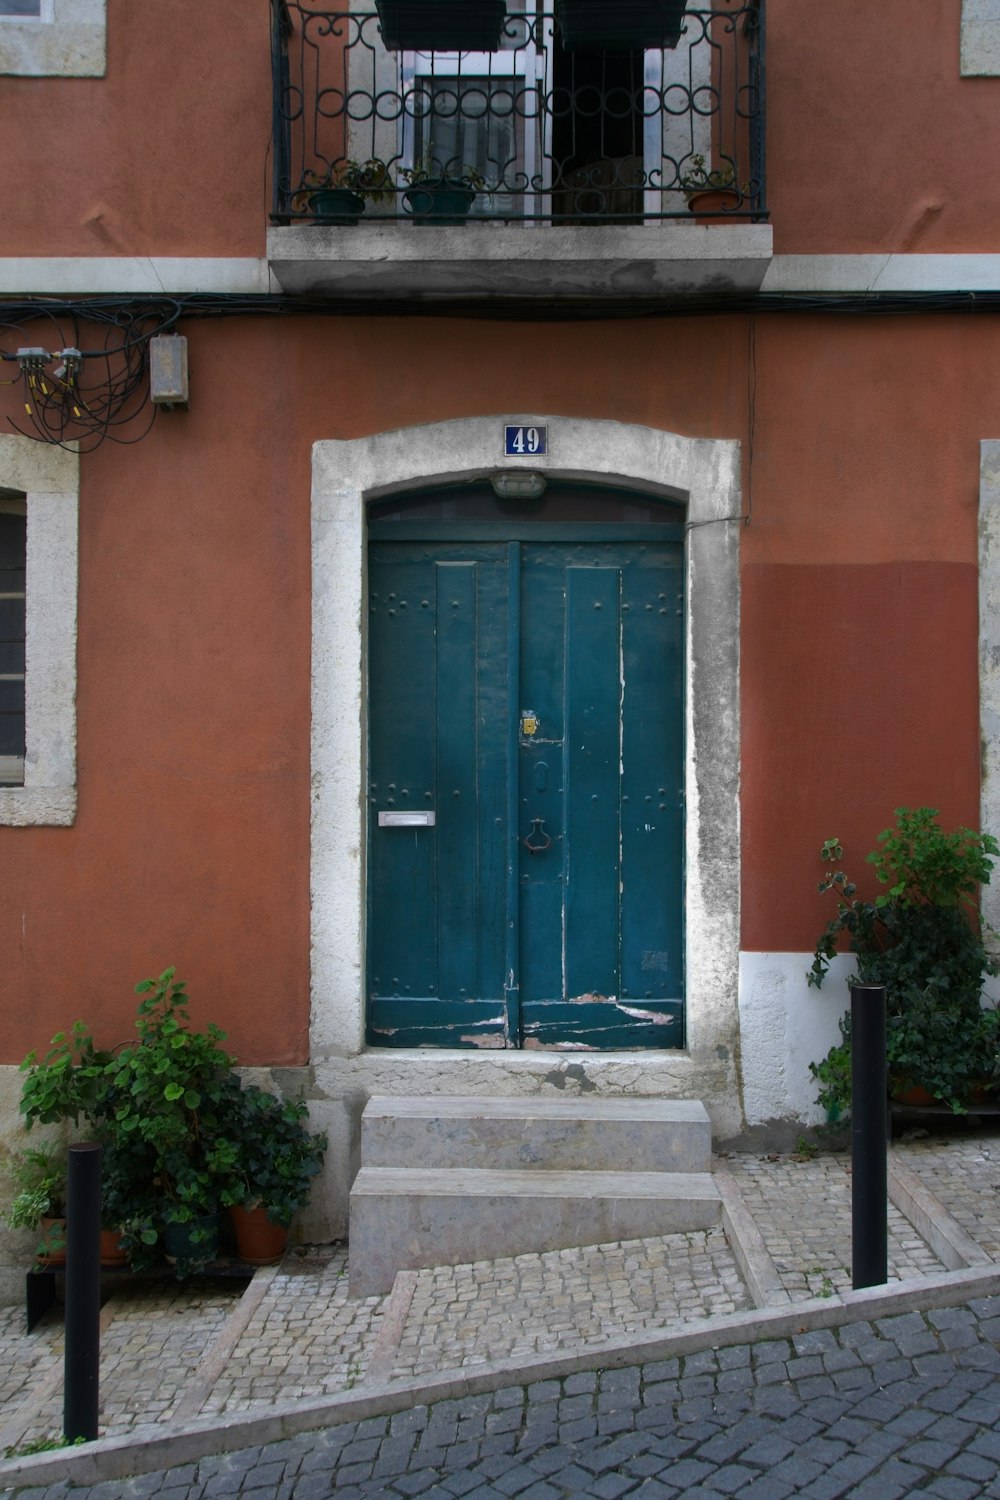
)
(53, 38)
(13, 554)
(38, 601)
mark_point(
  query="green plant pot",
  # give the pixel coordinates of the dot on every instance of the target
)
(198, 1239)
(335, 205)
(441, 25)
(439, 201)
(626, 25)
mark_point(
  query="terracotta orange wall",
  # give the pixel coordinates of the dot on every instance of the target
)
(191, 846)
(874, 140)
(165, 155)
(860, 596)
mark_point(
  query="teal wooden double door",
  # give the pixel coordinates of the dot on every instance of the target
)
(525, 802)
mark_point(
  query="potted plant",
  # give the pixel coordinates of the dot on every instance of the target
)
(440, 193)
(625, 26)
(67, 1087)
(40, 1201)
(170, 1097)
(920, 938)
(276, 1158)
(710, 190)
(441, 25)
(338, 194)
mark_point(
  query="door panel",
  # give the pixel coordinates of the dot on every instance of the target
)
(438, 716)
(569, 654)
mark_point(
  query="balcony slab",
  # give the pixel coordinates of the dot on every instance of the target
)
(406, 261)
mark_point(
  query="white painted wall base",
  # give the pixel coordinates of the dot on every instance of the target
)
(784, 1026)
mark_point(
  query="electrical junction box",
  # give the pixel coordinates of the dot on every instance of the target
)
(168, 370)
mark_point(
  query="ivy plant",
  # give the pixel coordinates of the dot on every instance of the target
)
(921, 938)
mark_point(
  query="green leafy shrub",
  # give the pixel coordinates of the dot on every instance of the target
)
(276, 1156)
(181, 1137)
(921, 938)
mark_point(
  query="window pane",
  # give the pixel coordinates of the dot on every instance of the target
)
(13, 538)
(20, 7)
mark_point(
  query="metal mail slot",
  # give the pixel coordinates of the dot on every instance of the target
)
(406, 820)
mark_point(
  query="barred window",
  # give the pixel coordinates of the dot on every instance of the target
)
(13, 550)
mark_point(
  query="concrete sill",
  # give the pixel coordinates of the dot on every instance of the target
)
(405, 261)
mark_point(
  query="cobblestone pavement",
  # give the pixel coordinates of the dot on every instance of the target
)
(908, 1405)
(802, 1208)
(176, 1352)
(965, 1175)
(526, 1305)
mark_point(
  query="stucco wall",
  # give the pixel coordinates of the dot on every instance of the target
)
(875, 139)
(860, 471)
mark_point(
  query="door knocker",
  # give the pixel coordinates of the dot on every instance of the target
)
(537, 831)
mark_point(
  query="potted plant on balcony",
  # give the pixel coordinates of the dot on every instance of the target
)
(276, 1158)
(440, 193)
(710, 190)
(623, 26)
(441, 25)
(338, 194)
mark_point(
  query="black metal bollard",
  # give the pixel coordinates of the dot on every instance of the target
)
(83, 1293)
(869, 1137)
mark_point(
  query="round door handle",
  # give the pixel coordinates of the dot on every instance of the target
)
(542, 840)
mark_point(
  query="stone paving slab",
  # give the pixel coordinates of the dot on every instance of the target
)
(305, 1339)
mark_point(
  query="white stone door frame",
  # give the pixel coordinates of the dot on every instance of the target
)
(705, 475)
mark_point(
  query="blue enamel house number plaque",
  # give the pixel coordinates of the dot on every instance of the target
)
(521, 442)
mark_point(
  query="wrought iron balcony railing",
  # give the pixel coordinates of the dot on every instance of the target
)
(547, 127)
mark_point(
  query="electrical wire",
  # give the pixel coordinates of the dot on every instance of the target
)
(109, 392)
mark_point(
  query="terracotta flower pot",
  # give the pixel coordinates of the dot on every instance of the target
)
(112, 1249)
(915, 1094)
(711, 201)
(259, 1242)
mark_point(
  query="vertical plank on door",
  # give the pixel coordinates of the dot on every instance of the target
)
(457, 757)
(592, 760)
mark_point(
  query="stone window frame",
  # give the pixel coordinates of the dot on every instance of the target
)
(704, 473)
(49, 478)
(68, 40)
(980, 39)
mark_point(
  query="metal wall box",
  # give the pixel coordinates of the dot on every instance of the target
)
(168, 370)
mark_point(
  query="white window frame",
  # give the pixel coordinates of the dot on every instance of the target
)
(49, 478)
(68, 40)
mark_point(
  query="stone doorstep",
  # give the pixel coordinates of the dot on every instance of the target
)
(410, 1218)
(606, 1135)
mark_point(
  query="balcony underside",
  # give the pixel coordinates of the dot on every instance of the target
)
(404, 262)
